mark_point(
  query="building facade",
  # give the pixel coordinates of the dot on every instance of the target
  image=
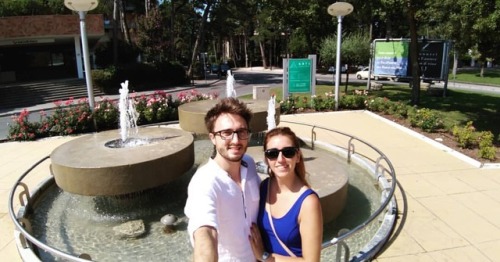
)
(46, 47)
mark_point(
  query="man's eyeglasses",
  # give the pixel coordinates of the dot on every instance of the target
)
(287, 152)
(243, 134)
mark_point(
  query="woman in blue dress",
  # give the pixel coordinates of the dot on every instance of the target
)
(290, 223)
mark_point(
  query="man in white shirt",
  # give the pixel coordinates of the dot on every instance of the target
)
(223, 195)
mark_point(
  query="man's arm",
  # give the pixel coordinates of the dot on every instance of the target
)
(205, 244)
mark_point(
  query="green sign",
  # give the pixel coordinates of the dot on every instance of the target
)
(299, 75)
(391, 58)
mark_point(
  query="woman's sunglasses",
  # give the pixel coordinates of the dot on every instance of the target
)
(287, 152)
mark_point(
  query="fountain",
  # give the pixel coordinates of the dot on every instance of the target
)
(230, 92)
(128, 114)
(191, 115)
(115, 195)
(99, 164)
(271, 112)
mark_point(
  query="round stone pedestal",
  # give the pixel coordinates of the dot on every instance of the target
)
(192, 115)
(88, 166)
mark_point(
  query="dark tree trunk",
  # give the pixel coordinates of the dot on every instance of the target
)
(199, 38)
(172, 31)
(263, 54)
(115, 32)
(415, 80)
(123, 23)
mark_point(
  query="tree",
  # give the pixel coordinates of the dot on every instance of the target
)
(152, 36)
(355, 49)
(200, 35)
(414, 50)
(469, 24)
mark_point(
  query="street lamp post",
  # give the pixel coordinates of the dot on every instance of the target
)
(339, 9)
(82, 7)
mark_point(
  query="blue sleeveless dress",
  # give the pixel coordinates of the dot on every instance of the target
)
(286, 227)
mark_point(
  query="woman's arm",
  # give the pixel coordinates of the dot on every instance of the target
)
(311, 228)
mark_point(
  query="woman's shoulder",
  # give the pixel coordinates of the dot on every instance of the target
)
(310, 199)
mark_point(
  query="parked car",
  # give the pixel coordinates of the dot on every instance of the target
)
(215, 68)
(331, 69)
(223, 69)
(363, 74)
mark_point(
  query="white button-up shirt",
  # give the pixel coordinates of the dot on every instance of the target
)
(215, 200)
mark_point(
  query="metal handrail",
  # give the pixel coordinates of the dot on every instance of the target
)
(334, 241)
(23, 231)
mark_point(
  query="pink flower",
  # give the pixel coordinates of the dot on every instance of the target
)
(69, 101)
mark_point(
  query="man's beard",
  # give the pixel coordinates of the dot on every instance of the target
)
(224, 153)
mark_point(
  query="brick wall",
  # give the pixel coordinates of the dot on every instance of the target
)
(49, 25)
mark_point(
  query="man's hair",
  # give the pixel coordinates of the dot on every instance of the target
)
(229, 105)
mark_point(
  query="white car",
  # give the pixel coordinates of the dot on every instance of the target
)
(363, 74)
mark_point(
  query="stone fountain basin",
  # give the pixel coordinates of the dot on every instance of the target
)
(87, 166)
(192, 115)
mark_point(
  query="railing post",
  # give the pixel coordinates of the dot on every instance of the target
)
(342, 245)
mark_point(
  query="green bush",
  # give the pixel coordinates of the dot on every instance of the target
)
(22, 129)
(486, 148)
(352, 102)
(106, 80)
(488, 152)
(72, 117)
(320, 103)
(104, 53)
(157, 107)
(426, 119)
(288, 106)
(141, 77)
(138, 74)
(399, 109)
(106, 115)
(465, 136)
(377, 104)
(68, 118)
(173, 73)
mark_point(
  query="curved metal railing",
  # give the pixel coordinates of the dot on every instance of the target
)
(21, 224)
(26, 239)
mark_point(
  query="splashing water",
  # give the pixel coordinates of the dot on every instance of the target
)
(128, 114)
(271, 111)
(230, 92)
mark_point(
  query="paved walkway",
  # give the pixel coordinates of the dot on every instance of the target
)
(449, 207)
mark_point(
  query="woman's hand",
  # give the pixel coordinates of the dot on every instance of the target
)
(256, 241)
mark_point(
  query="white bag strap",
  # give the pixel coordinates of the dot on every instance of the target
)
(268, 209)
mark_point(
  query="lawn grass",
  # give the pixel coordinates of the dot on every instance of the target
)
(491, 76)
(458, 108)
